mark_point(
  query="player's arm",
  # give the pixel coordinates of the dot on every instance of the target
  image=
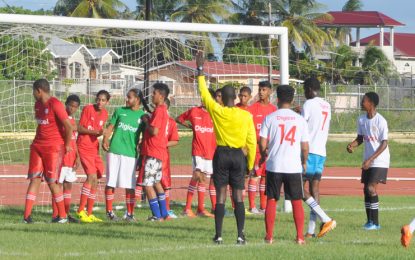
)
(106, 140)
(172, 143)
(77, 161)
(207, 99)
(263, 143)
(153, 127)
(355, 143)
(382, 147)
(182, 120)
(304, 155)
(83, 121)
(68, 134)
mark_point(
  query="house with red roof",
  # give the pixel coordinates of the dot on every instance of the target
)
(180, 76)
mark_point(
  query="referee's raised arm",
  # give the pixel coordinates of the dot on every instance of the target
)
(234, 130)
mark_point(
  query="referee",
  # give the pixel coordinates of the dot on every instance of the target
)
(234, 130)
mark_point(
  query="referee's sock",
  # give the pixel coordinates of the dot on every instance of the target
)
(374, 208)
(312, 203)
(219, 214)
(240, 218)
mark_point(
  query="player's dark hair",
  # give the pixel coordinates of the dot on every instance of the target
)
(138, 93)
(245, 89)
(312, 83)
(41, 84)
(167, 102)
(264, 84)
(162, 88)
(373, 97)
(228, 93)
(285, 94)
(104, 92)
(219, 90)
(212, 92)
(73, 98)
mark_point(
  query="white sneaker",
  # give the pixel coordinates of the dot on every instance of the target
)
(254, 211)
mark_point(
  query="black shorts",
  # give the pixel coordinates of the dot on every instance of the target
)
(229, 167)
(374, 175)
(310, 178)
(293, 185)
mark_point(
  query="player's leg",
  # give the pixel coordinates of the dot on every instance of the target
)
(252, 188)
(128, 181)
(374, 203)
(67, 199)
(113, 175)
(34, 174)
(161, 197)
(212, 193)
(293, 187)
(192, 188)
(221, 180)
(99, 170)
(273, 189)
(151, 179)
(206, 169)
(88, 164)
(130, 203)
(221, 191)
(313, 216)
(407, 232)
(262, 196)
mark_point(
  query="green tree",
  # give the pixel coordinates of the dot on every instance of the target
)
(341, 33)
(245, 51)
(340, 68)
(201, 11)
(161, 10)
(376, 67)
(24, 58)
(299, 17)
(91, 8)
(21, 10)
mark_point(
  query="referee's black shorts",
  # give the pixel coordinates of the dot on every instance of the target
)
(229, 167)
(293, 185)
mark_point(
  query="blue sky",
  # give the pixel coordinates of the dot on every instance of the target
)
(401, 10)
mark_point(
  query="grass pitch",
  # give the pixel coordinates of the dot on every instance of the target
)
(185, 238)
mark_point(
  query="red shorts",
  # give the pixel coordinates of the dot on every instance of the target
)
(166, 178)
(259, 170)
(91, 162)
(45, 162)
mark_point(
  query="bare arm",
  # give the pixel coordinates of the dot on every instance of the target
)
(263, 143)
(172, 143)
(86, 131)
(304, 154)
(184, 123)
(107, 135)
(68, 135)
(356, 142)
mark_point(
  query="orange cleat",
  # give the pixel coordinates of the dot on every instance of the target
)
(406, 236)
(327, 227)
(205, 213)
(189, 213)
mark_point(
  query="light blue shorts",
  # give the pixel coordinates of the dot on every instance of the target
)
(315, 164)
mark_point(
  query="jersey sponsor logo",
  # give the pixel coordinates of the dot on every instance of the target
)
(198, 117)
(203, 129)
(285, 118)
(370, 138)
(123, 114)
(127, 127)
(101, 123)
(42, 122)
(90, 127)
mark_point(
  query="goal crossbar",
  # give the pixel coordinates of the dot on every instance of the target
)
(282, 32)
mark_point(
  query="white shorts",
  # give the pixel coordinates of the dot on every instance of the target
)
(67, 174)
(202, 165)
(121, 171)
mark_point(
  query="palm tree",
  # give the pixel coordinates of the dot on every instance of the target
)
(299, 17)
(353, 5)
(161, 9)
(201, 11)
(376, 67)
(91, 8)
(342, 33)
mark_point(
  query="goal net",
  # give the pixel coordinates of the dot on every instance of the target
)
(82, 56)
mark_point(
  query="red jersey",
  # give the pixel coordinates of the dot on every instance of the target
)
(70, 158)
(242, 107)
(172, 133)
(156, 146)
(259, 112)
(92, 120)
(49, 118)
(204, 141)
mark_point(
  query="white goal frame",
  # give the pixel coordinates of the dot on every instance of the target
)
(282, 32)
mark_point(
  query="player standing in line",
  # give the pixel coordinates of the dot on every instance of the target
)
(125, 127)
(234, 130)
(284, 147)
(407, 232)
(70, 162)
(172, 140)
(317, 112)
(372, 129)
(90, 127)
(218, 96)
(244, 97)
(203, 149)
(259, 111)
(154, 150)
(52, 141)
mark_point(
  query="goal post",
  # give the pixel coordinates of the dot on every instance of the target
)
(83, 55)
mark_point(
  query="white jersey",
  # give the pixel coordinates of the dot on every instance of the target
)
(285, 130)
(374, 131)
(317, 113)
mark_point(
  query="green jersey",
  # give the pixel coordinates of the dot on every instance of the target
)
(127, 128)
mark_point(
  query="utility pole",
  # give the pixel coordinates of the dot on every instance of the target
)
(147, 56)
(269, 45)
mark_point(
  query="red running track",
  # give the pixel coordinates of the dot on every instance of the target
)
(341, 181)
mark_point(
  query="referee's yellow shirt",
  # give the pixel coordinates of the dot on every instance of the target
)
(233, 126)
